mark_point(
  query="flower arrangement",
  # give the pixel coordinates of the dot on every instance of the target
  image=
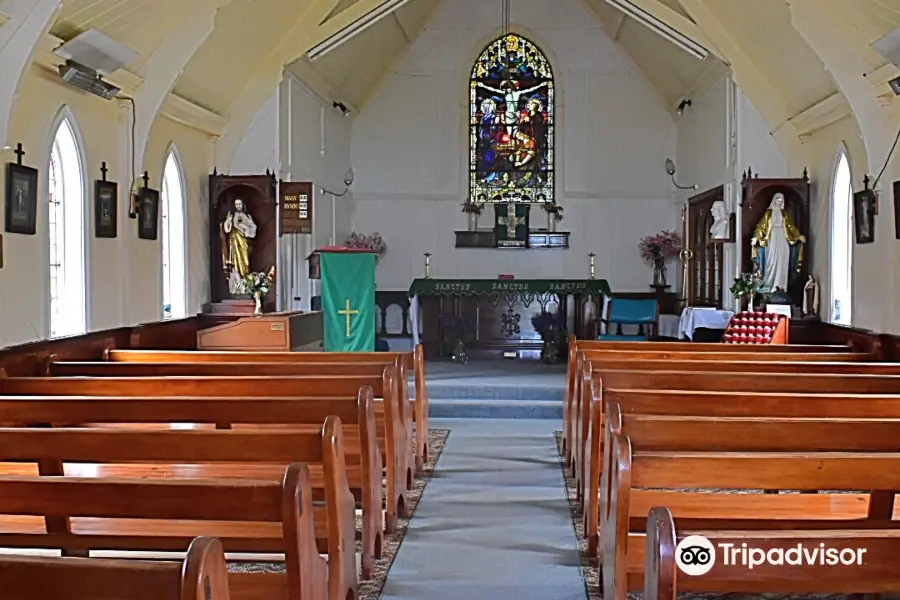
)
(553, 208)
(661, 247)
(374, 243)
(257, 285)
(748, 284)
(552, 329)
(470, 207)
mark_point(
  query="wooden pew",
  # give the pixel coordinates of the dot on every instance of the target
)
(623, 563)
(208, 454)
(391, 438)
(172, 513)
(591, 352)
(718, 380)
(227, 369)
(577, 408)
(363, 472)
(874, 574)
(681, 425)
(576, 345)
(202, 576)
(414, 361)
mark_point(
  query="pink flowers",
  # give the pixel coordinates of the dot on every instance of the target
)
(373, 242)
(662, 246)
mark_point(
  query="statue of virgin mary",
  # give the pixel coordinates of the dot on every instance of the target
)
(777, 247)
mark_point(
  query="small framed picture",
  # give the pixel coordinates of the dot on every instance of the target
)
(21, 199)
(105, 209)
(897, 210)
(864, 216)
(148, 214)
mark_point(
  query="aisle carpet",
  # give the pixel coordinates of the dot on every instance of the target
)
(371, 590)
(591, 573)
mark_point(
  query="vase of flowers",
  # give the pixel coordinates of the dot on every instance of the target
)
(474, 210)
(456, 338)
(554, 215)
(746, 286)
(552, 329)
(373, 243)
(657, 250)
(257, 285)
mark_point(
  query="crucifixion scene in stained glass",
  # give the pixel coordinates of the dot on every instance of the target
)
(511, 124)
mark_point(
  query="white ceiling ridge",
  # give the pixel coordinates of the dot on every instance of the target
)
(177, 108)
(671, 19)
(820, 115)
(4, 18)
(349, 23)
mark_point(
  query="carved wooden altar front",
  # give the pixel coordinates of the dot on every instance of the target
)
(257, 192)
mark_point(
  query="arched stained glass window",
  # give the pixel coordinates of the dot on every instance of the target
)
(511, 123)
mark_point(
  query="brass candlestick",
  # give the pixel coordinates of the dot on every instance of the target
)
(591, 256)
(427, 256)
(686, 256)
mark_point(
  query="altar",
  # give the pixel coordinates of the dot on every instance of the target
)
(493, 317)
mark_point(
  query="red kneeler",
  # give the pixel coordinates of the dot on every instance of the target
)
(751, 327)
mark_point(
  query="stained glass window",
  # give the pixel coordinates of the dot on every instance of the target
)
(511, 123)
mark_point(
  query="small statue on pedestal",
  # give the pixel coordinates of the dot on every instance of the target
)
(811, 298)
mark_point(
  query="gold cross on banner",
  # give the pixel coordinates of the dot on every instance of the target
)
(511, 220)
(348, 313)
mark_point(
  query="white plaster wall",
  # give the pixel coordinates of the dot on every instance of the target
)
(702, 157)
(757, 147)
(258, 149)
(613, 136)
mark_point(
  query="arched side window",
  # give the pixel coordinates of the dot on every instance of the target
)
(841, 282)
(68, 277)
(511, 142)
(173, 240)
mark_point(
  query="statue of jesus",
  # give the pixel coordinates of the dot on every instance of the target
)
(237, 230)
(777, 246)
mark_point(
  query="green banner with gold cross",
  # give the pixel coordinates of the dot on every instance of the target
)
(348, 301)
(511, 224)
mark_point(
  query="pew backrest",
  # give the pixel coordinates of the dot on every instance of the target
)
(201, 576)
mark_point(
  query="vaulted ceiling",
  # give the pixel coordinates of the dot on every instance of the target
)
(758, 38)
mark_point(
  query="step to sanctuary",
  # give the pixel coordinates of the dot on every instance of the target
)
(494, 389)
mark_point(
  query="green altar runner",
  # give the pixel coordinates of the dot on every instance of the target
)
(495, 314)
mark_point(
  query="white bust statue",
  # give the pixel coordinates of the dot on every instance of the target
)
(719, 229)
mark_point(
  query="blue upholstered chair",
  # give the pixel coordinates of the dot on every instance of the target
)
(630, 311)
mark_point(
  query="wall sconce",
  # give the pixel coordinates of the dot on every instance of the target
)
(342, 107)
(670, 169)
(682, 105)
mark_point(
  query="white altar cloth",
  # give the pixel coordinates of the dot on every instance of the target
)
(692, 318)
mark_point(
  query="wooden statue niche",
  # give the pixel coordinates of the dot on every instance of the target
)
(706, 271)
(243, 233)
(776, 245)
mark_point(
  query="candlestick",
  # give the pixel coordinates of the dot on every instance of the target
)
(686, 256)
(591, 256)
(427, 256)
